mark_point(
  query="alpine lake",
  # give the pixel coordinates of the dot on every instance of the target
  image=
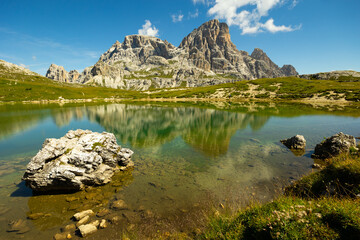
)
(192, 161)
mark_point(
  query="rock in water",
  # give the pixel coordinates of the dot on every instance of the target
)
(296, 142)
(334, 145)
(87, 229)
(80, 158)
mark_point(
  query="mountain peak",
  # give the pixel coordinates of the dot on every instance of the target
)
(142, 61)
(259, 54)
(207, 43)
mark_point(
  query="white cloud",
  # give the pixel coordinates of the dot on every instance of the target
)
(294, 3)
(33, 58)
(207, 2)
(194, 14)
(271, 27)
(148, 30)
(249, 21)
(177, 18)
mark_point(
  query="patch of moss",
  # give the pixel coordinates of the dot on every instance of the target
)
(97, 144)
(68, 150)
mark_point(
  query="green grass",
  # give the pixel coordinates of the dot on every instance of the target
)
(291, 218)
(308, 210)
(340, 178)
(296, 88)
(20, 87)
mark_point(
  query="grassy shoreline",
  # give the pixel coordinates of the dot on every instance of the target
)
(322, 205)
(16, 87)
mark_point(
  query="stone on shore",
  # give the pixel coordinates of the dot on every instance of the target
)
(334, 146)
(81, 158)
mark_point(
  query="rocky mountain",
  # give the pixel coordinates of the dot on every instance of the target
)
(6, 67)
(205, 57)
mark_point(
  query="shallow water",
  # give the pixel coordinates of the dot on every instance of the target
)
(188, 159)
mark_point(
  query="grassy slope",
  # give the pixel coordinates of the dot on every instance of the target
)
(322, 205)
(19, 87)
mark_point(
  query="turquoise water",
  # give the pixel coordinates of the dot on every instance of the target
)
(188, 159)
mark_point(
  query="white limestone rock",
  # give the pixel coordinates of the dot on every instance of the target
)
(80, 158)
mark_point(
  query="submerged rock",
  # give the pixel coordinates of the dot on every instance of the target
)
(334, 145)
(119, 205)
(103, 224)
(82, 221)
(87, 229)
(80, 215)
(81, 158)
(19, 226)
(296, 142)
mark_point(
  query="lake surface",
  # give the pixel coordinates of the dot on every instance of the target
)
(191, 160)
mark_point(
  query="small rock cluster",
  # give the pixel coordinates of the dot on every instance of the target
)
(330, 147)
(84, 226)
(81, 158)
(87, 222)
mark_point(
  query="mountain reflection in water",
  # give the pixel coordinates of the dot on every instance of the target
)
(188, 159)
(206, 130)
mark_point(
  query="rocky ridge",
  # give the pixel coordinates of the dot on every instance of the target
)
(6, 67)
(205, 57)
(334, 75)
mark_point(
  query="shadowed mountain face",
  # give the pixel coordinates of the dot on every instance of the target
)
(206, 56)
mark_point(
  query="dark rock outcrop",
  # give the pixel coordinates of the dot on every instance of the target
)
(334, 146)
(81, 158)
(289, 70)
(334, 75)
(296, 142)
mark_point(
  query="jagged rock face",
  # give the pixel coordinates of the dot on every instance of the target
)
(74, 75)
(259, 54)
(80, 158)
(57, 73)
(210, 47)
(139, 48)
(142, 62)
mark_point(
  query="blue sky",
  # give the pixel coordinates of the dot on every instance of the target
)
(312, 35)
